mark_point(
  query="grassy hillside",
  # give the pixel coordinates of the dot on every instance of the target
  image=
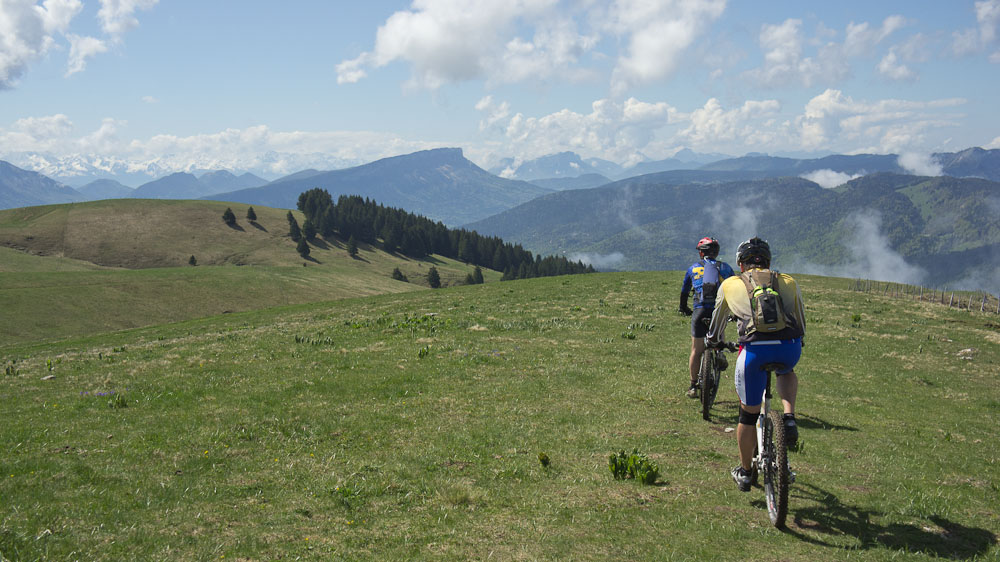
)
(409, 426)
(72, 270)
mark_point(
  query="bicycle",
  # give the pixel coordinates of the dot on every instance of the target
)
(713, 362)
(771, 456)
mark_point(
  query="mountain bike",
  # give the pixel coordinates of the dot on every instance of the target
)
(713, 362)
(771, 456)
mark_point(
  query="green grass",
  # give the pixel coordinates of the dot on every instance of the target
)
(410, 426)
(79, 269)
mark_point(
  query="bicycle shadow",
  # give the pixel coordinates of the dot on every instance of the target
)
(936, 536)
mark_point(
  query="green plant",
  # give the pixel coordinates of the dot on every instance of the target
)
(634, 465)
(424, 352)
(543, 459)
(117, 401)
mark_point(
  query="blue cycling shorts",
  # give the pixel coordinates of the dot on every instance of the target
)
(750, 378)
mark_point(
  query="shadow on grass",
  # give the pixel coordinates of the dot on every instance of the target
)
(935, 536)
(257, 225)
(810, 422)
(235, 226)
(319, 243)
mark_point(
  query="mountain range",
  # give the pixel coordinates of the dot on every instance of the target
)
(571, 165)
(929, 229)
(440, 184)
(933, 230)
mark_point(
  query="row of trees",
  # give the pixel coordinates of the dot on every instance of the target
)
(358, 219)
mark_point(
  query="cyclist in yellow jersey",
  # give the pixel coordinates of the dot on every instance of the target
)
(758, 346)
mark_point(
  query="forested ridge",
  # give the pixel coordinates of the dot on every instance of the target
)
(398, 231)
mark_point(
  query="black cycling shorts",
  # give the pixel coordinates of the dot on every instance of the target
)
(699, 321)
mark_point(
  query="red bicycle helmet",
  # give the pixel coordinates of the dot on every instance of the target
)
(708, 246)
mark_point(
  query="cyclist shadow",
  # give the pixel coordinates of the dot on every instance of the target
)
(810, 422)
(936, 536)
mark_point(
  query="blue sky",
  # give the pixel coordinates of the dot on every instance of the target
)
(275, 87)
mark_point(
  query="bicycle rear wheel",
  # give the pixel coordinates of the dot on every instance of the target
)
(709, 376)
(776, 477)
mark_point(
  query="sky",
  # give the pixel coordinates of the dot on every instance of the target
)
(277, 87)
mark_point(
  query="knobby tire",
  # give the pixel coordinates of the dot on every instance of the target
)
(776, 470)
(709, 377)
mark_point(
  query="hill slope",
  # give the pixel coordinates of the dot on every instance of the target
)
(938, 231)
(439, 184)
(61, 266)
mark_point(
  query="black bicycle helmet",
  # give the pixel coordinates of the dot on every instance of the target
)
(754, 251)
(708, 246)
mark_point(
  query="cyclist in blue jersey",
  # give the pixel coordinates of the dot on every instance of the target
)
(703, 278)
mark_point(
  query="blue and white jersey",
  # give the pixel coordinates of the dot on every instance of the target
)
(696, 273)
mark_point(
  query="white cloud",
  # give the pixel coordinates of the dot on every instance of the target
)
(829, 178)
(892, 68)
(872, 255)
(711, 123)
(444, 40)
(599, 261)
(658, 34)
(860, 39)
(995, 143)
(495, 113)
(149, 99)
(784, 63)
(509, 41)
(834, 120)
(27, 33)
(615, 130)
(978, 39)
(920, 164)
(82, 48)
(52, 145)
(787, 63)
(118, 16)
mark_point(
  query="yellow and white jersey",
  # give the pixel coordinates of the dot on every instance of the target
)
(733, 299)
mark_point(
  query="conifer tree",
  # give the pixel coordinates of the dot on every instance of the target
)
(192, 260)
(293, 228)
(309, 229)
(352, 247)
(303, 247)
(229, 217)
(433, 278)
(477, 276)
(251, 215)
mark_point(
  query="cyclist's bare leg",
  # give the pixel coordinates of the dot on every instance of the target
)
(788, 387)
(694, 362)
(746, 438)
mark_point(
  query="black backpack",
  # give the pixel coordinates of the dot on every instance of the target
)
(710, 280)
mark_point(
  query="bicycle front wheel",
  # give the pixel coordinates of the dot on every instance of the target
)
(776, 477)
(709, 376)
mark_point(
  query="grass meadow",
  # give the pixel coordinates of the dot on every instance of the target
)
(408, 426)
(51, 285)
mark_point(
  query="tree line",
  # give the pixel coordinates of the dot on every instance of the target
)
(360, 219)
